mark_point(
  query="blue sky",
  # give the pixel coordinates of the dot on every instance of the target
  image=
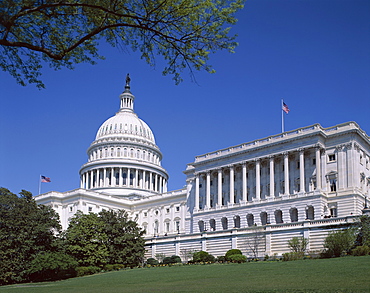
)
(313, 53)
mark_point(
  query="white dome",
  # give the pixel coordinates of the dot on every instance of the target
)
(125, 123)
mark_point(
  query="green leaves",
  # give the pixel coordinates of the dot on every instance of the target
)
(105, 238)
(65, 33)
(26, 229)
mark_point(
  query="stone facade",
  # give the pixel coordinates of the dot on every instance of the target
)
(304, 182)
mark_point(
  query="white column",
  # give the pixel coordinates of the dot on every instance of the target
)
(219, 187)
(88, 180)
(150, 181)
(244, 181)
(341, 167)
(160, 184)
(136, 178)
(156, 182)
(128, 177)
(112, 183)
(197, 192)
(208, 190)
(232, 198)
(96, 178)
(104, 177)
(144, 180)
(258, 179)
(165, 186)
(286, 173)
(82, 181)
(272, 177)
(301, 170)
(318, 168)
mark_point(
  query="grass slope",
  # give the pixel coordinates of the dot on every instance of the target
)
(348, 274)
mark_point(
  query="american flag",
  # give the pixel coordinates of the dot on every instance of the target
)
(285, 108)
(45, 179)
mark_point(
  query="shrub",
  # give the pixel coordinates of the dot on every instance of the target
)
(221, 258)
(203, 256)
(118, 266)
(84, 271)
(152, 261)
(238, 258)
(293, 256)
(175, 259)
(167, 260)
(51, 266)
(339, 243)
(114, 267)
(232, 252)
(361, 250)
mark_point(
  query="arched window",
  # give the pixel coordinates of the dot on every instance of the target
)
(212, 224)
(250, 220)
(224, 223)
(310, 213)
(236, 221)
(293, 215)
(278, 217)
(201, 226)
(264, 218)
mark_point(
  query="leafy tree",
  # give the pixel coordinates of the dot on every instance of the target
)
(51, 266)
(339, 242)
(298, 244)
(86, 239)
(363, 237)
(26, 230)
(64, 33)
(124, 239)
(105, 238)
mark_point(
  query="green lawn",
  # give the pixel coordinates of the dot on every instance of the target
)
(347, 274)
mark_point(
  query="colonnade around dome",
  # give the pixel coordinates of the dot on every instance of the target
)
(121, 177)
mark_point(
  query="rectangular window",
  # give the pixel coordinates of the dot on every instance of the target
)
(331, 158)
(314, 162)
(145, 214)
(167, 210)
(177, 209)
(298, 165)
(333, 212)
(90, 209)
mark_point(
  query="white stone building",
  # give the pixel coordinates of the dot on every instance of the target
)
(304, 182)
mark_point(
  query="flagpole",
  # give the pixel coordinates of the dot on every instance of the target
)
(40, 184)
(282, 116)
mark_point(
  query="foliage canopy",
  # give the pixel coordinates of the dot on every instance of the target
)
(109, 237)
(64, 33)
(26, 230)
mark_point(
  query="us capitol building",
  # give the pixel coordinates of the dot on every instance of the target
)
(254, 196)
